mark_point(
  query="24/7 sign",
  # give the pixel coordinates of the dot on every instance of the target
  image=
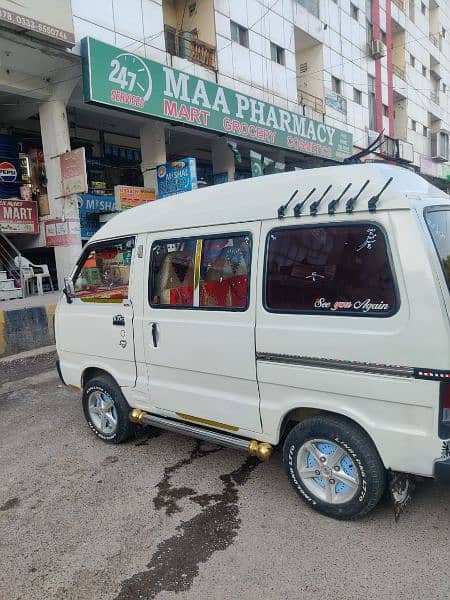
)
(123, 80)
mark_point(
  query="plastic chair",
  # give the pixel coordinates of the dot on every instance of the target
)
(28, 273)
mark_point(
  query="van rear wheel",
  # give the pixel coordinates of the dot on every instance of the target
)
(106, 410)
(334, 466)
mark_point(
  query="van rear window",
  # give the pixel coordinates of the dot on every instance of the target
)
(438, 222)
(331, 269)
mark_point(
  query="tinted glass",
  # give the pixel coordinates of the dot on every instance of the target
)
(330, 270)
(172, 275)
(438, 222)
(104, 273)
(224, 272)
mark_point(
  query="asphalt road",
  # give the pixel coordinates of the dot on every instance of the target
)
(165, 516)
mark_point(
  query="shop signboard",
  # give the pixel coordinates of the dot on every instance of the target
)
(90, 207)
(62, 233)
(46, 18)
(129, 196)
(120, 79)
(73, 172)
(18, 216)
(176, 177)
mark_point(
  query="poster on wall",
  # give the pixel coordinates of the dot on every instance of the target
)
(129, 196)
(62, 233)
(73, 172)
(177, 177)
(18, 216)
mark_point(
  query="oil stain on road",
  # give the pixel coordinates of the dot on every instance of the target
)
(175, 564)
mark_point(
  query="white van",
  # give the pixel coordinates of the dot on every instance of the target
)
(267, 312)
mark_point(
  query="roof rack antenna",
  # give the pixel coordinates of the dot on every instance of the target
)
(283, 208)
(315, 205)
(351, 201)
(372, 204)
(356, 158)
(299, 207)
(333, 204)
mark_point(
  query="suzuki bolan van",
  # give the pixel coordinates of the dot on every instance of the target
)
(307, 310)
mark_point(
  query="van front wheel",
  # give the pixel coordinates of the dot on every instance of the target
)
(106, 410)
(334, 466)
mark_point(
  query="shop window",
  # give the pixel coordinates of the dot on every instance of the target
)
(331, 270)
(210, 273)
(104, 272)
(172, 273)
(224, 272)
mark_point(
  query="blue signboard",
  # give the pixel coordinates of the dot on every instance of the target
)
(90, 206)
(176, 177)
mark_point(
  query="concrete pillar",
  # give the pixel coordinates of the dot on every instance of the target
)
(222, 157)
(56, 141)
(153, 150)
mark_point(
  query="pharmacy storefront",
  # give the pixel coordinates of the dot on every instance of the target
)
(260, 137)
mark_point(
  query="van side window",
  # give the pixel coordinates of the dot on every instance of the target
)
(104, 273)
(208, 273)
(224, 272)
(339, 269)
(172, 273)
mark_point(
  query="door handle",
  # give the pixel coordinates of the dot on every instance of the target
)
(155, 335)
(119, 320)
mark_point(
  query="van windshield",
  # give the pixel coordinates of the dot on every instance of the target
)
(438, 222)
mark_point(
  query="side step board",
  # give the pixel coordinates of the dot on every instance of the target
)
(262, 450)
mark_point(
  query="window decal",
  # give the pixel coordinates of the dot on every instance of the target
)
(369, 241)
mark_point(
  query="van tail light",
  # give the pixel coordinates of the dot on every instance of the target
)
(444, 413)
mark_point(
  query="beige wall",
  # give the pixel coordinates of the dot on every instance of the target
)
(176, 14)
(311, 81)
(398, 52)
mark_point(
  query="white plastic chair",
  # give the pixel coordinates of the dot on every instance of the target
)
(28, 273)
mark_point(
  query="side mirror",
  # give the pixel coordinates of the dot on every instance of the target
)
(69, 290)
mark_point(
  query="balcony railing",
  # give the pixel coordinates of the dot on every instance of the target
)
(435, 97)
(308, 99)
(186, 44)
(399, 3)
(435, 40)
(399, 72)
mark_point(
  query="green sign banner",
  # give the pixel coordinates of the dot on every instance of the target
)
(119, 79)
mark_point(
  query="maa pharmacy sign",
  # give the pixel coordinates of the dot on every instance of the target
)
(119, 79)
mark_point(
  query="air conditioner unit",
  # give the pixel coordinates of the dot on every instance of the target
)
(439, 145)
(378, 49)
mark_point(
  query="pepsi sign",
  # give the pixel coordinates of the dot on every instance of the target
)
(8, 172)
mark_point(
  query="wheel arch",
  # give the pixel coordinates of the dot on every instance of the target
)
(299, 414)
(92, 372)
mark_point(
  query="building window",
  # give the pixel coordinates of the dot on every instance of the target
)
(444, 33)
(239, 34)
(277, 54)
(444, 88)
(424, 70)
(312, 6)
(412, 10)
(104, 273)
(336, 85)
(357, 96)
(413, 125)
(354, 11)
(412, 60)
(222, 274)
(332, 269)
(385, 110)
(425, 131)
(371, 98)
(423, 8)
(383, 37)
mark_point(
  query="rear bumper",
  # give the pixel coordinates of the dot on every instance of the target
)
(442, 470)
(58, 368)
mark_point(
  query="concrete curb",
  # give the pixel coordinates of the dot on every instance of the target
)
(26, 329)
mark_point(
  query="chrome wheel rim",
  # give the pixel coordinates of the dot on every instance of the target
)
(102, 412)
(327, 471)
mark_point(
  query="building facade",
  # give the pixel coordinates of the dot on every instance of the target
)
(246, 87)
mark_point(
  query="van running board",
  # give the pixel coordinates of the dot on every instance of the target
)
(263, 450)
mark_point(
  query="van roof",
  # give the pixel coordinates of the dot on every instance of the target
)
(259, 198)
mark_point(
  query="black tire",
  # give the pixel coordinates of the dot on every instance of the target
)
(371, 474)
(124, 428)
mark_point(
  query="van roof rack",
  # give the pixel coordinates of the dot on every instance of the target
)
(351, 201)
(315, 205)
(372, 204)
(299, 207)
(333, 204)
